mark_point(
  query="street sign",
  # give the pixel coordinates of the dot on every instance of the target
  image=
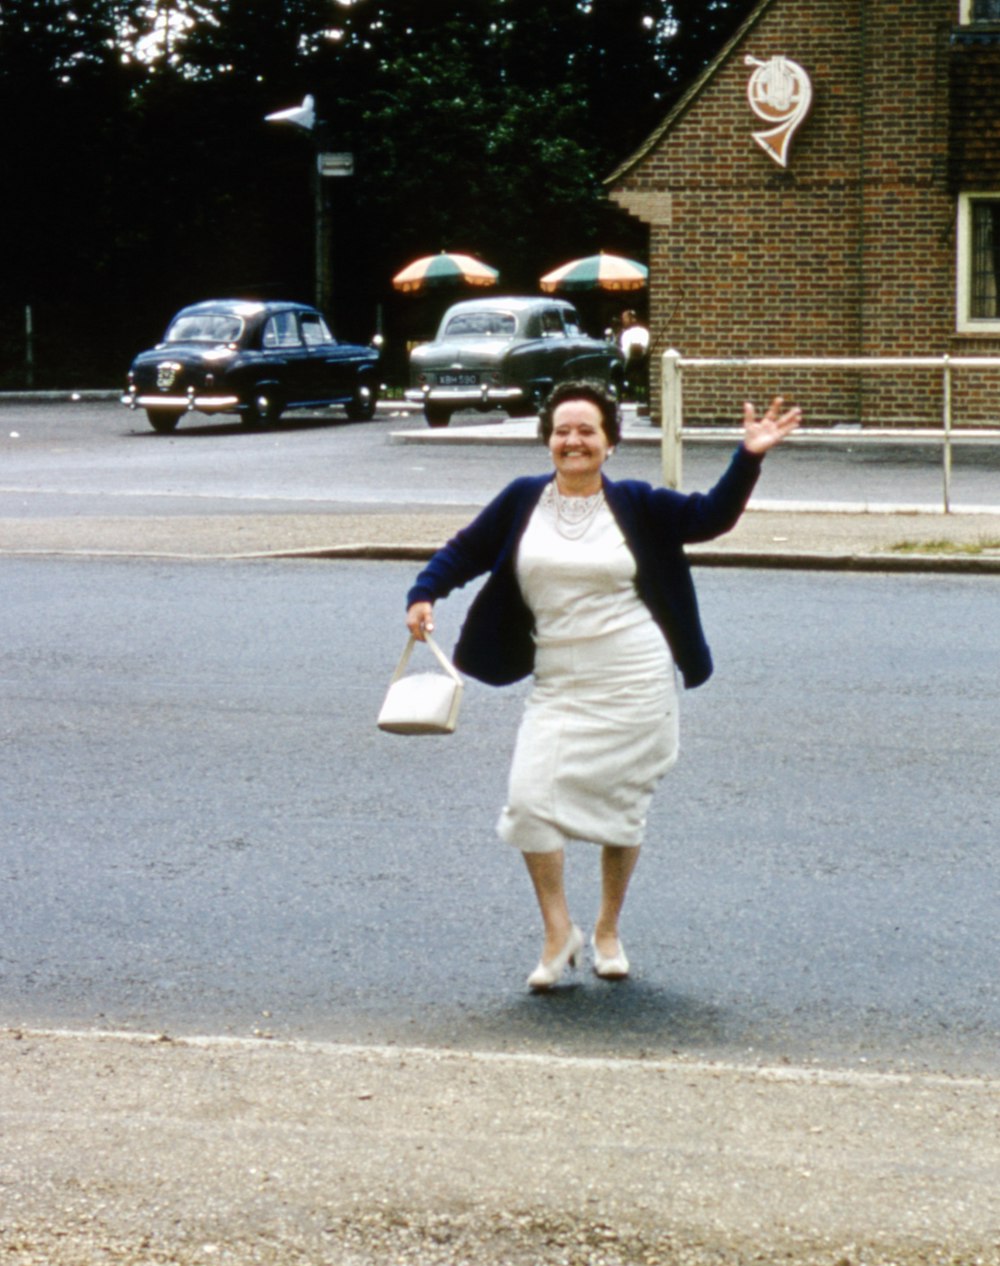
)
(335, 164)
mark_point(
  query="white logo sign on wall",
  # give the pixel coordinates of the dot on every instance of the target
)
(780, 93)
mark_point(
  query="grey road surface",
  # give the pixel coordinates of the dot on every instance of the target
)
(204, 832)
(100, 459)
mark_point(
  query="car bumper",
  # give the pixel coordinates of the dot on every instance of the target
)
(190, 401)
(471, 396)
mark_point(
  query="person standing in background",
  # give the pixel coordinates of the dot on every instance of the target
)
(634, 343)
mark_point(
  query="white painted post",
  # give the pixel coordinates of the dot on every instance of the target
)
(946, 448)
(672, 419)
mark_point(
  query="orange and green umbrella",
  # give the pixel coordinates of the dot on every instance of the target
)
(447, 269)
(597, 272)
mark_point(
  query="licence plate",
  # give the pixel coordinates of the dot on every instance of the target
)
(458, 380)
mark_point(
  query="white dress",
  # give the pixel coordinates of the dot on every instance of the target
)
(600, 727)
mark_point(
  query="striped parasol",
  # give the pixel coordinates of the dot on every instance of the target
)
(446, 269)
(597, 272)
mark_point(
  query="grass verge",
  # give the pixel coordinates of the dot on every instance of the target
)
(984, 545)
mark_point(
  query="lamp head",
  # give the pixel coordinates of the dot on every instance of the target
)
(303, 115)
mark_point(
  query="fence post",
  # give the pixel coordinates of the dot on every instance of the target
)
(29, 348)
(946, 448)
(671, 423)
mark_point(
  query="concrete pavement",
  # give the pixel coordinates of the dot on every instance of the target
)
(139, 1148)
(886, 540)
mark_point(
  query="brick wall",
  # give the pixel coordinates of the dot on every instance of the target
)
(974, 152)
(849, 251)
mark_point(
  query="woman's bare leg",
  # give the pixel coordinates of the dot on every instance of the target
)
(617, 865)
(546, 871)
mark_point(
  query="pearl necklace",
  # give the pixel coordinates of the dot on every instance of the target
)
(572, 515)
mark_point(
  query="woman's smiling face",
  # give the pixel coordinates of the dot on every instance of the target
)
(578, 444)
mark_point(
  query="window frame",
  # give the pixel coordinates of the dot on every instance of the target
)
(965, 322)
(284, 326)
(965, 17)
(552, 323)
(314, 331)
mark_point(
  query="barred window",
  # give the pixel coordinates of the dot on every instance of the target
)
(984, 290)
(978, 272)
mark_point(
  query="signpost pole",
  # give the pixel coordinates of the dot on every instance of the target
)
(327, 166)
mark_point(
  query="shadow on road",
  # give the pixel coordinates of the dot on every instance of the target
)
(290, 422)
(591, 1018)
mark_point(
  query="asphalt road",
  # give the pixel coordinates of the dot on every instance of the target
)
(204, 831)
(88, 459)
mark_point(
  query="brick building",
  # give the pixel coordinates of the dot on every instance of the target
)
(830, 186)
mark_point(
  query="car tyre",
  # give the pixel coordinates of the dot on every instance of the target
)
(264, 408)
(532, 403)
(361, 406)
(164, 421)
(437, 414)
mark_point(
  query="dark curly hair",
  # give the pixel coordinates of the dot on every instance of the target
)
(583, 389)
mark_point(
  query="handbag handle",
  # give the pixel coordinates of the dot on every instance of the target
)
(442, 659)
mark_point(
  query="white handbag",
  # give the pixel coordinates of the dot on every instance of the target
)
(422, 703)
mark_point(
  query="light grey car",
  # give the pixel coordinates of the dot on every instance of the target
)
(506, 353)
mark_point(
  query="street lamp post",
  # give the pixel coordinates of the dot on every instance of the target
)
(325, 166)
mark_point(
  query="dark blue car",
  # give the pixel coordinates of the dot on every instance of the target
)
(254, 359)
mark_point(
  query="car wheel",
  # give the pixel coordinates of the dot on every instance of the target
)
(531, 404)
(264, 408)
(361, 406)
(437, 414)
(163, 421)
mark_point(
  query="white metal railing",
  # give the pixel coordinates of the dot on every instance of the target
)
(672, 408)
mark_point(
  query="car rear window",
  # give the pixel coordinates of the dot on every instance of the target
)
(205, 327)
(481, 325)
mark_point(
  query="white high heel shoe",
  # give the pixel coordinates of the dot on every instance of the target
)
(547, 974)
(610, 966)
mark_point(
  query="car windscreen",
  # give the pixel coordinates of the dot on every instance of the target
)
(481, 325)
(205, 327)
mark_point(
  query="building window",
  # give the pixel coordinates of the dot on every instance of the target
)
(979, 11)
(985, 261)
(979, 263)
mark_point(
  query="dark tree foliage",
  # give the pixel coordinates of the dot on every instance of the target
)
(63, 96)
(699, 29)
(139, 173)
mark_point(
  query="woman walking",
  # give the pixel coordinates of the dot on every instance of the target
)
(589, 590)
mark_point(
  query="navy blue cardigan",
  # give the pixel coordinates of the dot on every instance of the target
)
(496, 644)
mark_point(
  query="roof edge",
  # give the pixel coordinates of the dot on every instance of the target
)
(687, 98)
